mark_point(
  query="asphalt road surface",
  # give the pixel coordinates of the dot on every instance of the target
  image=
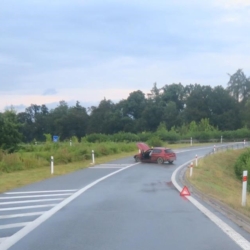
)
(120, 205)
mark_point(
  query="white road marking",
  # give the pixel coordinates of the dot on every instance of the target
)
(49, 191)
(104, 167)
(114, 164)
(3, 239)
(29, 201)
(10, 216)
(23, 224)
(236, 237)
(33, 196)
(111, 165)
(32, 225)
(27, 207)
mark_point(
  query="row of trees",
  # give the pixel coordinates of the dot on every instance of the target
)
(176, 106)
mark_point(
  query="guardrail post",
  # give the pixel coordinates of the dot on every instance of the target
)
(52, 165)
(244, 188)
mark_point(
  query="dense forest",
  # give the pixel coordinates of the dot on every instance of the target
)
(174, 106)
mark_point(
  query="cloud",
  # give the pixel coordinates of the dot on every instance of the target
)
(50, 92)
(88, 49)
(232, 3)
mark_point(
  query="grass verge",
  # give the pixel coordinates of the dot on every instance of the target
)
(17, 179)
(215, 177)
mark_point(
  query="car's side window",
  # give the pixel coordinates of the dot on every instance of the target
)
(168, 151)
(156, 151)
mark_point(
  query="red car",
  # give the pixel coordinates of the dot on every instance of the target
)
(157, 154)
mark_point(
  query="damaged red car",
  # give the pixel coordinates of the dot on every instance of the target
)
(156, 154)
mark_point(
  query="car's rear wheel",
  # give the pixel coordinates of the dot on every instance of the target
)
(137, 158)
(160, 160)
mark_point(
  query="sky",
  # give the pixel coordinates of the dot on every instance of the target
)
(88, 50)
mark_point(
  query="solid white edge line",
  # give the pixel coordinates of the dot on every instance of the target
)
(236, 237)
(32, 225)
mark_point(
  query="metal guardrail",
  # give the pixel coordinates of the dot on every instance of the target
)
(234, 146)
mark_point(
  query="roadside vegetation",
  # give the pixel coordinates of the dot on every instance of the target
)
(173, 115)
(219, 176)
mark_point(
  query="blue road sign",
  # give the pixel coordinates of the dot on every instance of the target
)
(55, 138)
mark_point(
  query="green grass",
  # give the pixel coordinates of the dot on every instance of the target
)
(17, 179)
(215, 177)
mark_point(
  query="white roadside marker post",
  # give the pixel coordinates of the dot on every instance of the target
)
(244, 188)
(52, 165)
(196, 160)
(191, 141)
(93, 157)
(214, 148)
(191, 169)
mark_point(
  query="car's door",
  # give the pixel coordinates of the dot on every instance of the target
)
(155, 155)
(146, 156)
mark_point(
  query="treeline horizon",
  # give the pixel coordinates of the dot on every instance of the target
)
(174, 106)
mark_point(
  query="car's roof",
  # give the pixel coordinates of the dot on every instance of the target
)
(145, 147)
(161, 148)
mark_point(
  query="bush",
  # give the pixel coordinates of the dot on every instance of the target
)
(144, 136)
(96, 138)
(125, 137)
(242, 163)
(155, 142)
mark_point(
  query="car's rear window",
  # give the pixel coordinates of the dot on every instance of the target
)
(168, 151)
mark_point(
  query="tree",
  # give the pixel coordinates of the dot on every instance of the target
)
(35, 122)
(9, 134)
(101, 118)
(58, 120)
(239, 86)
(134, 104)
(197, 104)
(246, 115)
(174, 93)
(225, 110)
(77, 121)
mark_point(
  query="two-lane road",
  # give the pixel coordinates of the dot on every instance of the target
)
(120, 205)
